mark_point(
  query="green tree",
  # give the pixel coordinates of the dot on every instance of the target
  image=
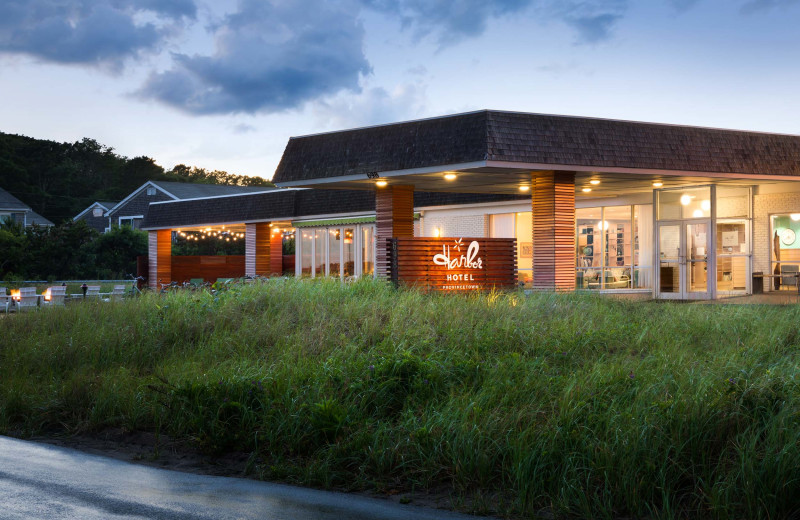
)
(115, 252)
(13, 242)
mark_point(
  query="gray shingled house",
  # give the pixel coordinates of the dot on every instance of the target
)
(16, 210)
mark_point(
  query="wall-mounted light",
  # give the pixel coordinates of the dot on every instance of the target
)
(594, 182)
(437, 232)
(381, 183)
(524, 188)
(658, 184)
(450, 176)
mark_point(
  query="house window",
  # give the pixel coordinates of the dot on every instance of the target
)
(151, 191)
(97, 212)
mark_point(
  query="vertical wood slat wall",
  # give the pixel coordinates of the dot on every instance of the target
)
(257, 249)
(276, 252)
(394, 218)
(553, 213)
(159, 249)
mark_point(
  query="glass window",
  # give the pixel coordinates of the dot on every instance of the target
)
(588, 248)
(349, 252)
(97, 212)
(320, 242)
(733, 202)
(334, 251)
(306, 237)
(785, 250)
(524, 235)
(368, 250)
(643, 246)
(684, 203)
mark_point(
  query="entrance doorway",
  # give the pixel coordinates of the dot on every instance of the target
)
(683, 248)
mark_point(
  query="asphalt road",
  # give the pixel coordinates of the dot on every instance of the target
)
(49, 482)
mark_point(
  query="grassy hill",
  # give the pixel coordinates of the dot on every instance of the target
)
(568, 405)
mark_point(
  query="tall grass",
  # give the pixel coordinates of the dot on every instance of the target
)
(576, 404)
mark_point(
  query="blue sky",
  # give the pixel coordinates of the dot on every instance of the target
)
(224, 84)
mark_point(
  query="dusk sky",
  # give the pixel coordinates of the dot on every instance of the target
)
(224, 84)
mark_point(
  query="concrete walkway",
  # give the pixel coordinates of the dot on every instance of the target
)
(49, 482)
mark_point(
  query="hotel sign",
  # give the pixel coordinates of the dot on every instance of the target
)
(454, 264)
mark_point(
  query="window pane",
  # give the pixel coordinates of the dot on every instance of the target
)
(320, 241)
(524, 234)
(643, 246)
(349, 261)
(588, 237)
(617, 225)
(786, 249)
(502, 226)
(334, 255)
(733, 202)
(306, 236)
(368, 251)
(684, 203)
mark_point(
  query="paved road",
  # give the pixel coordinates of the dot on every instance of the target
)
(49, 482)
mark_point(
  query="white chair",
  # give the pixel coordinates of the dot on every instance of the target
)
(118, 293)
(93, 291)
(5, 299)
(57, 295)
(28, 299)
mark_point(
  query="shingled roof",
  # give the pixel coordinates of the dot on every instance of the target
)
(560, 141)
(289, 204)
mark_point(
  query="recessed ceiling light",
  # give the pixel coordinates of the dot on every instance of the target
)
(450, 176)
(524, 188)
(594, 182)
(658, 184)
(586, 190)
(381, 183)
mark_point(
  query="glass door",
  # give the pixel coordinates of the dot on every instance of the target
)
(683, 260)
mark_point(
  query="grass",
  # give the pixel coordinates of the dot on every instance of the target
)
(573, 404)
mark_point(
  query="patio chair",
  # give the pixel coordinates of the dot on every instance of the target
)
(118, 293)
(57, 295)
(5, 299)
(28, 299)
(93, 292)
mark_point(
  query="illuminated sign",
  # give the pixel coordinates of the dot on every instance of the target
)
(453, 264)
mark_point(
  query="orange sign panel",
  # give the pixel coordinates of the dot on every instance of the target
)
(453, 264)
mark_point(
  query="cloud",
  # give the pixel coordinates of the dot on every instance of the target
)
(372, 106)
(450, 20)
(243, 128)
(269, 56)
(100, 32)
(683, 5)
(593, 29)
(754, 6)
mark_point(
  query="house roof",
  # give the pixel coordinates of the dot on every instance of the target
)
(10, 202)
(496, 138)
(33, 218)
(189, 190)
(286, 204)
(106, 205)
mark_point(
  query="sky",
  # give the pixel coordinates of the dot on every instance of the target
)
(224, 84)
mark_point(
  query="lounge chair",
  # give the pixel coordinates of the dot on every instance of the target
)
(57, 295)
(28, 299)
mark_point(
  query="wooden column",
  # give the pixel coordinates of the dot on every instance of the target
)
(276, 252)
(394, 218)
(553, 211)
(159, 257)
(256, 249)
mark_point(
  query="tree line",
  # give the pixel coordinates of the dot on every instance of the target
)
(59, 180)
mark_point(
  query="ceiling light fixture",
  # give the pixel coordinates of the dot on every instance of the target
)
(586, 190)
(594, 182)
(381, 183)
(449, 176)
(524, 188)
(658, 184)
(686, 199)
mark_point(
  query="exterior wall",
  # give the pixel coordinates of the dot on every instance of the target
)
(97, 223)
(137, 205)
(460, 222)
(765, 205)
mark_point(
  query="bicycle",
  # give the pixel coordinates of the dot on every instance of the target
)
(134, 290)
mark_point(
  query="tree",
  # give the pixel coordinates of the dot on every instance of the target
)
(116, 251)
(13, 242)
